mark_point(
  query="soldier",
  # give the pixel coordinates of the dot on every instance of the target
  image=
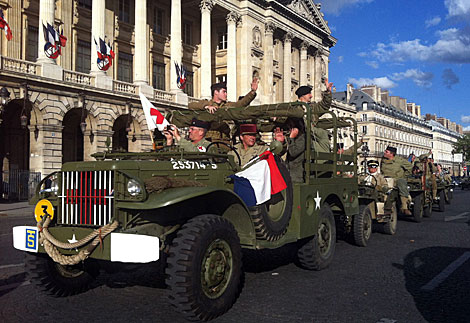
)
(247, 148)
(321, 142)
(295, 147)
(219, 98)
(396, 167)
(374, 177)
(429, 169)
(197, 133)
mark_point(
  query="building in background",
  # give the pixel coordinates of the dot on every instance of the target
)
(65, 109)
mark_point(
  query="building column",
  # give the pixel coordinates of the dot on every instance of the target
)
(176, 50)
(268, 62)
(317, 80)
(303, 63)
(286, 75)
(206, 77)
(232, 19)
(97, 31)
(141, 43)
(46, 15)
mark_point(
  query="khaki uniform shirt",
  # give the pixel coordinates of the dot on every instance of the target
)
(247, 154)
(379, 181)
(396, 167)
(246, 100)
(187, 145)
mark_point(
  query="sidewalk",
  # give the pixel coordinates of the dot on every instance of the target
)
(17, 208)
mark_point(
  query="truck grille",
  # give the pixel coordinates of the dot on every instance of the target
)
(87, 198)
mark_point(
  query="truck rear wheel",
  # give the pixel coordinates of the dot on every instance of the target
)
(427, 212)
(271, 218)
(391, 226)
(317, 252)
(58, 280)
(442, 201)
(204, 268)
(418, 208)
(362, 226)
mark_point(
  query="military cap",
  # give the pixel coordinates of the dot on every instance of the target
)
(373, 163)
(248, 128)
(391, 149)
(200, 124)
(304, 89)
(218, 86)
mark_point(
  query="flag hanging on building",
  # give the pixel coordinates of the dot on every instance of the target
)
(54, 41)
(105, 54)
(154, 118)
(256, 184)
(180, 76)
(5, 26)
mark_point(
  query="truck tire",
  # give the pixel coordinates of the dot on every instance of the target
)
(272, 218)
(362, 226)
(418, 208)
(449, 196)
(427, 212)
(442, 201)
(391, 226)
(204, 268)
(318, 251)
(58, 280)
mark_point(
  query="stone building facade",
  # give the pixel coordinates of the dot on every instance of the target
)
(382, 124)
(66, 109)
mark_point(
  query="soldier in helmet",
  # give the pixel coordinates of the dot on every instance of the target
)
(396, 167)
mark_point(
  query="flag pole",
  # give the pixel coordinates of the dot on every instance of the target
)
(154, 147)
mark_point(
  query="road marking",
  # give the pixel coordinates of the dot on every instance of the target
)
(14, 285)
(11, 266)
(386, 320)
(6, 234)
(436, 281)
(456, 217)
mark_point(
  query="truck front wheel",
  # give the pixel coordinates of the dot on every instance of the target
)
(204, 268)
(362, 226)
(317, 252)
(58, 280)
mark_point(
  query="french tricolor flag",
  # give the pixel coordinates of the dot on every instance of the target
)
(154, 117)
(256, 184)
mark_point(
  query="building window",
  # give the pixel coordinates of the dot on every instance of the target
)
(364, 117)
(158, 21)
(32, 46)
(222, 37)
(124, 67)
(364, 130)
(189, 89)
(221, 78)
(158, 76)
(83, 62)
(85, 4)
(186, 33)
(124, 10)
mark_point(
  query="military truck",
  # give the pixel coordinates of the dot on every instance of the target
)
(421, 197)
(442, 196)
(372, 210)
(180, 208)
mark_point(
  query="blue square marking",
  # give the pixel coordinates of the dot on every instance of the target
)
(31, 239)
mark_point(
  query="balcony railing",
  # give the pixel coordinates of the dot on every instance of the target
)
(16, 65)
(124, 87)
(79, 78)
(192, 99)
(163, 95)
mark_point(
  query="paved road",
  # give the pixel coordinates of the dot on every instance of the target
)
(422, 274)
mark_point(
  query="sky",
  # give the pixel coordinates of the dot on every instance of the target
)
(417, 49)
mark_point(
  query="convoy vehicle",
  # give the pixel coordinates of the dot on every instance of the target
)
(372, 210)
(180, 208)
(443, 193)
(421, 197)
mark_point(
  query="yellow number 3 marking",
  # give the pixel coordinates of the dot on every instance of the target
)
(43, 209)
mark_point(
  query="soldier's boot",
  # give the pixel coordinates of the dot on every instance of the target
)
(404, 205)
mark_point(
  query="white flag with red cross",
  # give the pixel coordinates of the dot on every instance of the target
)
(154, 117)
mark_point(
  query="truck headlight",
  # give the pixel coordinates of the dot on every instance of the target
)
(50, 185)
(133, 187)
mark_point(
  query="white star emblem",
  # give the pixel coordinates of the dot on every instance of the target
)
(73, 240)
(317, 201)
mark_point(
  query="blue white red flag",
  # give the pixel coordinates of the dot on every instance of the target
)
(105, 54)
(54, 41)
(180, 76)
(256, 184)
(4, 25)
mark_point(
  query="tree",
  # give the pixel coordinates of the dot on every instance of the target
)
(463, 146)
